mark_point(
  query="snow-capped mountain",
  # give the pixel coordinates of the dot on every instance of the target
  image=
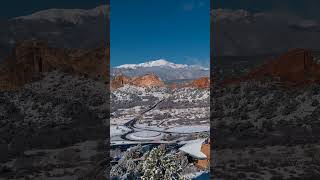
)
(74, 16)
(166, 70)
(159, 63)
(67, 28)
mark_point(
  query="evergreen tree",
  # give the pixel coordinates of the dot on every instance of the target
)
(160, 165)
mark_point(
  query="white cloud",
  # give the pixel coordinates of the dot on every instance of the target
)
(197, 61)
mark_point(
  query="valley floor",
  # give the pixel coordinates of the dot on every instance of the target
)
(158, 115)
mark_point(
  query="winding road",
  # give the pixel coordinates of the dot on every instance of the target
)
(130, 124)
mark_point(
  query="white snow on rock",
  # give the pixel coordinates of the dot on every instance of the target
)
(194, 149)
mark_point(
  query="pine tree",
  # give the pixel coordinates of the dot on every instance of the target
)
(159, 165)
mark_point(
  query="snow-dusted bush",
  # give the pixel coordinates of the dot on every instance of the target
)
(160, 165)
(127, 166)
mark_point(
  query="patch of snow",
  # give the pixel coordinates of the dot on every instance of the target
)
(194, 149)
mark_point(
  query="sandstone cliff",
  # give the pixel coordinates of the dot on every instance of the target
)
(148, 80)
(29, 60)
(296, 67)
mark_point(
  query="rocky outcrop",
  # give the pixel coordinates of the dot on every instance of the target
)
(201, 83)
(119, 81)
(151, 80)
(295, 67)
(205, 148)
(30, 59)
(148, 80)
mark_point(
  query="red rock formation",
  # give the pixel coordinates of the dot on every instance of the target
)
(201, 83)
(29, 59)
(205, 148)
(173, 86)
(119, 81)
(148, 80)
(295, 67)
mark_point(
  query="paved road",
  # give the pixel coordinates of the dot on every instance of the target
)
(130, 124)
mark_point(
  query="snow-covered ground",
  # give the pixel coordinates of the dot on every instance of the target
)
(147, 117)
(189, 129)
(145, 135)
(118, 130)
(182, 114)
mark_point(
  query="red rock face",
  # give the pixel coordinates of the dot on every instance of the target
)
(29, 59)
(174, 86)
(148, 80)
(119, 81)
(295, 67)
(201, 83)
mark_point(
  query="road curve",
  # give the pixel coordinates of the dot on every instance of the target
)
(130, 124)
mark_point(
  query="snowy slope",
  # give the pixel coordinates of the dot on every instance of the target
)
(159, 63)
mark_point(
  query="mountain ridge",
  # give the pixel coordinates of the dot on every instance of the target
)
(164, 69)
(158, 63)
(69, 29)
(68, 15)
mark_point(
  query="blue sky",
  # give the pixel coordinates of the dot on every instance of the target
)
(176, 30)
